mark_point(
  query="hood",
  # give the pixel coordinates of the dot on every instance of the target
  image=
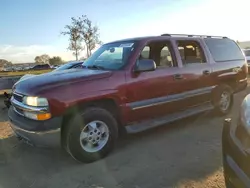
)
(24, 77)
(33, 84)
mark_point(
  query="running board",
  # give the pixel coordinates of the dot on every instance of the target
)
(152, 123)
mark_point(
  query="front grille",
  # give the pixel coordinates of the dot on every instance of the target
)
(18, 97)
(19, 111)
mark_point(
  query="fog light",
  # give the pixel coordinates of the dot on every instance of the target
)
(35, 116)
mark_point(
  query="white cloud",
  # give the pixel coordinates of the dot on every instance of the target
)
(25, 54)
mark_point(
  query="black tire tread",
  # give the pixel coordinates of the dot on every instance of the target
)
(83, 156)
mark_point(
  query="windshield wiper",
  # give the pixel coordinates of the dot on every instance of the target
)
(96, 67)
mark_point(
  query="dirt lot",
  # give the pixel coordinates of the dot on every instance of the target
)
(183, 154)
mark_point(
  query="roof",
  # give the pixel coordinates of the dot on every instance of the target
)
(167, 36)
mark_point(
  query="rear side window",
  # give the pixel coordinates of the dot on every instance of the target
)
(224, 50)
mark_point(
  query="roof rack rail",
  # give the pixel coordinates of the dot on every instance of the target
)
(188, 35)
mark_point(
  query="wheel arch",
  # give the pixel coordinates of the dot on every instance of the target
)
(109, 104)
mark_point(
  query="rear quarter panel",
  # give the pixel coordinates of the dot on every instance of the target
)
(226, 72)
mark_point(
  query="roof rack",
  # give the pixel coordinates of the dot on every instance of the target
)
(187, 35)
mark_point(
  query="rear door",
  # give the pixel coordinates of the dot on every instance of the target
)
(196, 69)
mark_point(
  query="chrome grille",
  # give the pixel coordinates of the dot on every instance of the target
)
(18, 97)
(19, 111)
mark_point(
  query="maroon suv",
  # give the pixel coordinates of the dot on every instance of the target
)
(133, 85)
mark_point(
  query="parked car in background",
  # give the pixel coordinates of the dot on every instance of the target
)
(69, 65)
(236, 148)
(41, 67)
(247, 54)
(133, 85)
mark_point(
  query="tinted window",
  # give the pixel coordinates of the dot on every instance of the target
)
(224, 49)
(247, 52)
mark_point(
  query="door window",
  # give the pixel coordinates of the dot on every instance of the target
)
(191, 53)
(161, 52)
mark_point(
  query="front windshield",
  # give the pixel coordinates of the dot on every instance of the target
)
(111, 56)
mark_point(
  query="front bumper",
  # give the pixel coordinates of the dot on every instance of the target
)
(241, 85)
(236, 154)
(37, 133)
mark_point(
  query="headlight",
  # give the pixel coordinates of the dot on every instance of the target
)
(35, 101)
(245, 112)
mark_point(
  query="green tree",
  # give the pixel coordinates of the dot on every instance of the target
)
(4, 62)
(42, 59)
(82, 30)
(56, 60)
(75, 39)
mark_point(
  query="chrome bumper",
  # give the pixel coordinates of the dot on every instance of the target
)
(24, 107)
(37, 133)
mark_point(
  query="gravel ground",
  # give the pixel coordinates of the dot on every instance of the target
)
(183, 154)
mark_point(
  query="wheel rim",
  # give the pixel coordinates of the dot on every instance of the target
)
(94, 136)
(225, 100)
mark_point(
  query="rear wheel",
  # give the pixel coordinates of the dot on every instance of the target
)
(91, 135)
(223, 99)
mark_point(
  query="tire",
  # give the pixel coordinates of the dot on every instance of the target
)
(86, 151)
(228, 183)
(219, 92)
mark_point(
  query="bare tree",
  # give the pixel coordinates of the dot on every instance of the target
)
(89, 33)
(75, 39)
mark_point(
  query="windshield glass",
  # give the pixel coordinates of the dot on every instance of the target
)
(247, 52)
(111, 56)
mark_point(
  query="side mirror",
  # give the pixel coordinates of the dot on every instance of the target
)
(145, 65)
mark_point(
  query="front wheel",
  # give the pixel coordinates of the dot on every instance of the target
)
(91, 135)
(223, 99)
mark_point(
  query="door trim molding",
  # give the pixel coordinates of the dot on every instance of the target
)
(169, 98)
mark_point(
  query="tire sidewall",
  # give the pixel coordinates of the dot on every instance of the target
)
(78, 123)
(217, 96)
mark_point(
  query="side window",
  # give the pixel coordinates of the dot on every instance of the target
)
(191, 52)
(166, 58)
(224, 50)
(145, 53)
(160, 52)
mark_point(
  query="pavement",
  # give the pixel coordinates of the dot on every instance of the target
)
(183, 154)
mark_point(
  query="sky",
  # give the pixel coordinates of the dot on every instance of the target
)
(31, 27)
